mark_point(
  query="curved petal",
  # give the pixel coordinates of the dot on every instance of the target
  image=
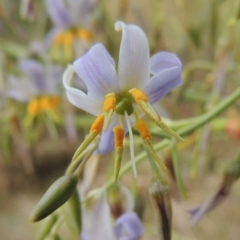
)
(164, 60)
(101, 220)
(78, 97)
(97, 69)
(58, 13)
(128, 227)
(106, 144)
(133, 65)
(36, 73)
(161, 83)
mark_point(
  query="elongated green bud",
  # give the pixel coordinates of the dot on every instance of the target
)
(56, 196)
(46, 227)
(72, 213)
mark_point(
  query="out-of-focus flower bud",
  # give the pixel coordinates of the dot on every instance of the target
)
(46, 227)
(161, 198)
(59, 192)
(72, 213)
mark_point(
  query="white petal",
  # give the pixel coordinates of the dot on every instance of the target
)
(78, 97)
(101, 220)
(162, 83)
(97, 69)
(133, 65)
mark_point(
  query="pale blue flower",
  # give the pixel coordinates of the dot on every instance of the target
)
(70, 15)
(154, 77)
(127, 227)
(35, 80)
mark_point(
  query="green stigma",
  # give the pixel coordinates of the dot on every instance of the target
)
(124, 105)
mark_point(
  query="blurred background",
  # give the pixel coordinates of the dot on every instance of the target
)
(40, 130)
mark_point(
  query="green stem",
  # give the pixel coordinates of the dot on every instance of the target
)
(177, 173)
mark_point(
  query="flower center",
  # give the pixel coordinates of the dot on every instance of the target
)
(124, 104)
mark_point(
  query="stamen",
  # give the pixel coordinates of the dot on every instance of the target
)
(34, 107)
(138, 95)
(94, 131)
(98, 124)
(151, 149)
(109, 103)
(143, 129)
(118, 139)
(84, 144)
(84, 34)
(58, 39)
(108, 108)
(131, 144)
(141, 99)
(67, 39)
(118, 136)
(164, 127)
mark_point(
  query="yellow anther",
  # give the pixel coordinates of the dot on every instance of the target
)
(58, 39)
(98, 124)
(34, 107)
(55, 101)
(143, 129)
(84, 34)
(138, 95)
(118, 136)
(68, 39)
(109, 103)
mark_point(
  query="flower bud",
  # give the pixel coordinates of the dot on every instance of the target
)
(160, 194)
(72, 213)
(60, 191)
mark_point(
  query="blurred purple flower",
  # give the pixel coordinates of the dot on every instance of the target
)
(127, 227)
(72, 27)
(38, 80)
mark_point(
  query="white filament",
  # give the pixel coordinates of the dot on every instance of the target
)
(131, 144)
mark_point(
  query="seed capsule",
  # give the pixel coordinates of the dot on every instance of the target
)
(59, 192)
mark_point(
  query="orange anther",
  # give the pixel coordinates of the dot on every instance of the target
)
(143, 129)
(58, 39)
(84, 34)
(118, 136)
(67, 39)
(34, 107)
(138, 95)
(109, 103)
(98, 124)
